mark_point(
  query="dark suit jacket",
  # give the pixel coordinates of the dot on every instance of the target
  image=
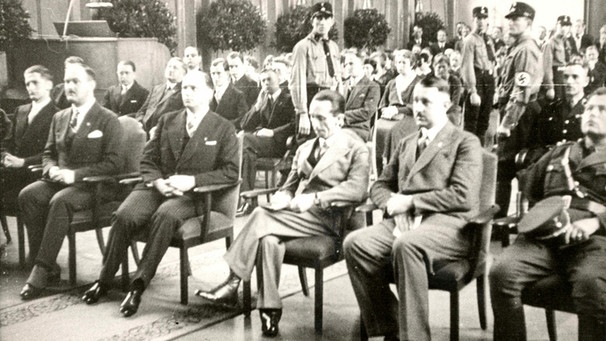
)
(130, 103)
(280, 118)
(411, 43)
(95, 147)
(597, 78)
(586, 40)
(249, 88)
(360, 106)
(390, 97)
(28, 140)
(233, 105)
(157, 105)
(443, 180)
(211, 155)
(435, 48)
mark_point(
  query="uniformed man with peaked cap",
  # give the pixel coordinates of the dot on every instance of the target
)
(556, 54)
(564, 233)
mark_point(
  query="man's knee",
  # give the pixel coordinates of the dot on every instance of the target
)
(352, 244)
(269, 242)
(589, 292)
(502, 276)
(29, 194)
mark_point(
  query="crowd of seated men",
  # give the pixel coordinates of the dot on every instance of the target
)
(417, 103)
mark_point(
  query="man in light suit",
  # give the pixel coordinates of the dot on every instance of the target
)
(429, 190)
(332, 167)
(361, 94)
(227, 101)
(83, 141)
(163, 98)
(191, 147)
(31, 123)
(239, 78)
(128, 96)
(266, 127)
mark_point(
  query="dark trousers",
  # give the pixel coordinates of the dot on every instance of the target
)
(145, 210)
(257, 147)
(46, 209)
(477, 117)
(527, 261)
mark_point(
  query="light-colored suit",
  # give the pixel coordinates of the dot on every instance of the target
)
(444, 183)
(341, 174)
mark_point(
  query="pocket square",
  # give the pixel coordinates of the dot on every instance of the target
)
(133, 101)
(95, 134)
(210, 143)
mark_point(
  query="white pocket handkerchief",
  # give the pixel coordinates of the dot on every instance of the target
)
(95, 134)
(210, 143)
(133, 101)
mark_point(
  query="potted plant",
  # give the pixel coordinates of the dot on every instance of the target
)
(293, 26)
(14, 26)
(366, 29)
(232, 25)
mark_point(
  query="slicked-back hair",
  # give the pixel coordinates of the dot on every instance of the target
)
(234, 55)
(205, 76)
(431, 81)
(129, 63)
(41, 70)
(406, 54)
(73, 60)
(89, 71)
(195, 48)
(180, 61)
(222, 62)
(336, 100)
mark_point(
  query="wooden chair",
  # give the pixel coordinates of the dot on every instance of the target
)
(454, 276)
(217, 222)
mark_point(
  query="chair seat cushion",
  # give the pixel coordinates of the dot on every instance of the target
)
(311, 248)
(552, 292)
(450, 275)
(192, 227)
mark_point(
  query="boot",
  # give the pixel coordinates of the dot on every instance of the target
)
(225, 294)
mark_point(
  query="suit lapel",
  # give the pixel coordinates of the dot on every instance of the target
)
(304, 166)
(175, 134)
(441, 140)
(197, 141)
(89, 123)
(356, 91)
(154, 101)
(332, 154)
(592, 159)
(21, 120)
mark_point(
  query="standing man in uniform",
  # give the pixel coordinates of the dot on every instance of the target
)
(477, 66)
(521, 76)
(580, 256)
(316, 64)
(556, 53)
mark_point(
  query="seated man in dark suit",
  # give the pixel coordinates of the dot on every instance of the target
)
(164, 98)
(429, 191)
(361, 94)
(83, 141)
(31, 123)
(576, 248)
(227, 101)
(191, 147)
(128, 96)
(333, 166)
(441, 44)
(267, 125)
(242, 81)
(597, 70)
(192, 57)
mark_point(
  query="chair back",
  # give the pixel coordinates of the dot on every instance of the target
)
(132, 144)
(226, 201)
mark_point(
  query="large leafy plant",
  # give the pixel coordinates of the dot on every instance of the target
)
(232, 25)
(366, 28)
(14, 23)
(431, 24)
(293, 26)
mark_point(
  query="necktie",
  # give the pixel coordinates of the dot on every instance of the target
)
(191, 128)
(489, 48)
(73, 123)
(422, 143)
(270, 102)
(331, 68)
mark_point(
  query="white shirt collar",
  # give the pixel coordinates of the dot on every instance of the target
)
(432, 132)
(275, 95)
(220, 90)
(40, 105)
(354, 81)
(83, 110)
(196, 118)
(127, 87)
(170, 85)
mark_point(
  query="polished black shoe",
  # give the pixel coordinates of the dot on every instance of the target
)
(94, 293)
(225, 294)
(244, 210)
(269, 321)
(30, 292)
(130, 305)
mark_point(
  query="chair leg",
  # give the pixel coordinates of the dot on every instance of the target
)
(21, 241)
(319, 301)
(100, 240)
(454, 315)
(303, 280)
(504, 236)
(481, 284)
(551, 325)
(71, 237)
(246, 298)
(7, 233)
(267, 185)
(185, 268)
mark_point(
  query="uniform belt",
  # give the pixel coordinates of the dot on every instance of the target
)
(481, 72)
(587, 205)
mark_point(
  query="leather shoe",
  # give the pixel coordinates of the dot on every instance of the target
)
(269, 321)
(30, 292)
(130, 305)
(95, 292)
(225, 294)
(244, 210)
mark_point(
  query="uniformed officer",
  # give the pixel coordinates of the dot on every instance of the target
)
(316, 64)
(556, 53)
(560, 120)
(521, 77)
(477, 66)
(578, 170)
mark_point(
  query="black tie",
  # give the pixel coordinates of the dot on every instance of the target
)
(422, 143)
(489, 48)
(331, 68)
(74, 121)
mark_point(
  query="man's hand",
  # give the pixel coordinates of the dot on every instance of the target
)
(475, 99)
(280, 200)
(264, 132)
(389, 112)
(261, 100)
(164, 188)
(11, 161)
(550, 94)
(341, 118)
(68, 175)
(302, 202)
(581, 230)
(53, 173)
(182, 183)
(152, 132)
(304, 124)
(399, 203)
